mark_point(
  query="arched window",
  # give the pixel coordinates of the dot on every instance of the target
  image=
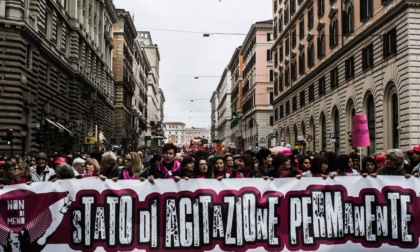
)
(395, 123)
(323, 125)
(350, 18)
(312, 133)
(333, 33)
(302, 129)
(321, 45)
(371, 123)
(336, 118)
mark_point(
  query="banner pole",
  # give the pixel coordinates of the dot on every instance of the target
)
(360, 162)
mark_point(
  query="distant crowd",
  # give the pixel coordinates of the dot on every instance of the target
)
(170, 163)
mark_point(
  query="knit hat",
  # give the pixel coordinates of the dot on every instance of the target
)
(41, 155)
(279, 159)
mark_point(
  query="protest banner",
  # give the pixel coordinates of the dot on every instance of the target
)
(344, 213)
(360, 131)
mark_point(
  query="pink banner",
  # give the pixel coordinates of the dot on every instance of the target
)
(360, 131)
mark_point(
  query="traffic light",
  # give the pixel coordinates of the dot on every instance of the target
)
(9, 137)
(234, 116)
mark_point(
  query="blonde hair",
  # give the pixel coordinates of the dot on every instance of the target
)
(94, 162)
(26, 172)
(136, 164)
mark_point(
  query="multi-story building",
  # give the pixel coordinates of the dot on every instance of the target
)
(335, 59)
(141, 68)
(178, 134)
(235, 68)
(257, 92)
(155, 97)
(221, 110)
(124, 35)
(56, 83)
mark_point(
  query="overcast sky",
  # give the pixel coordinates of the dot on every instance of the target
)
(177, 27)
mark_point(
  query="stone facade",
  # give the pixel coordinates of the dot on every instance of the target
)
(55, 72)
(371, 69)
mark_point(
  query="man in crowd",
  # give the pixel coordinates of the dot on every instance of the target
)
(41, 171)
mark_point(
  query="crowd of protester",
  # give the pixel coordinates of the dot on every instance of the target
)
(170, 163)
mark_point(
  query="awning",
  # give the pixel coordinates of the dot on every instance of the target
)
(69, 131)
(54, 124)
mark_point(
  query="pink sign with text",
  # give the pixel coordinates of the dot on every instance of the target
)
(360, 131)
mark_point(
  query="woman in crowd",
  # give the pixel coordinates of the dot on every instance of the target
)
(109, 166)
(32, 161)
(265, 160)
(319, 167)
(282, 167)
(19, 173)
(230, 163)
(344, 166)
(219, 168)
(187, 168)
(132, 166)
(168, 167)
(202, 169)
(305, 166)
(245, 168)
(92, 167)
(369, 165)
(65, 171)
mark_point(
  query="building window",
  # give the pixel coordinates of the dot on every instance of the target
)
(337, 131)
(321, 8)
(281, 53)
(271, 73)
(287, 77)
(269, 57)
(349, 68)
(321, 86)
(334, 78)
(321, 46)
(293, 70)
(294, 38)
(302, 98)
(280, 23)
(281, 112)
(390, 42)
(276, 116)
(271, 98)
(270, 36)
(367, 57)
(287, 41)
(310, 17)
(366, 9)
(371, 123)
(311, 59)
(394, 123)
(323, 125)
(302, 28)
(333, 33)
(302, 62)
(348, 17)
(286, 15)
(281, 88)
(311, 93)
(294, 103)
(287, 108)
(292, 7)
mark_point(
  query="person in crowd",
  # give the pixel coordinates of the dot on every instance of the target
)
(319, 168)
(344, 166)
(187, 168)
(230, 163)
(282, 167)
(65, 171)
(264, 160)
(394, 163)
(369, 166)
(92, 168)
(19, 173)
(168, 167)
(414, 165)
(219, 168)
(41, 171)
(332, 159)
(59, 160)
(355, 158)
(109, 166)
(120, 161)
(132, 167)
(305, 166)
(78, 166)
(32, 161)
(380, 159)
(202, 169)
(4, 178)
(245, 168)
